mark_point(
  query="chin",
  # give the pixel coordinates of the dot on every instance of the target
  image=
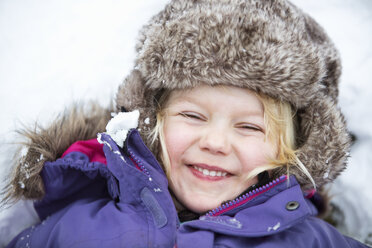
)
(201, 207)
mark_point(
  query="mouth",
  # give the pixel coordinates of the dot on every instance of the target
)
(207, 172)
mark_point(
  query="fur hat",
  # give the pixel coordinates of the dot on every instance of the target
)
(270, 47)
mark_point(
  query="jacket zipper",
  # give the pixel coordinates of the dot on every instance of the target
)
(139, 165)
(245, 198)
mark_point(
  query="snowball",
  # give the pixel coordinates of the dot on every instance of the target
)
(120, 124)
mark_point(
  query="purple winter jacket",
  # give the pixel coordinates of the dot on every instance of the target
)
(126, 203)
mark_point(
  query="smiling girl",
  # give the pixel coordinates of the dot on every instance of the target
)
(213, 147)
(223, 132)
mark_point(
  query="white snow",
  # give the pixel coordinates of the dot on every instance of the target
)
(273, 228)
(54, 53)
(120, 124)
(99, 139)
(40, 158)
(24, 151)
(21, 184)
(147, 121)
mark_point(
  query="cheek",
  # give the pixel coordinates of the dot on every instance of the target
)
(269, 150)
(272, 151)
(175, 140)
(257, 154)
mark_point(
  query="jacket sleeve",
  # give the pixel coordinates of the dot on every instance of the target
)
(80, 173)
(92, 204)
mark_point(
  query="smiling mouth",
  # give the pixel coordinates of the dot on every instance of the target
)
(209, 173)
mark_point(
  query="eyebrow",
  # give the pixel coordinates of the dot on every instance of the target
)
(197, 101)
(183, 98)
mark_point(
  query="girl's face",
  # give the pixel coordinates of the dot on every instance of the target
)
(215, 136)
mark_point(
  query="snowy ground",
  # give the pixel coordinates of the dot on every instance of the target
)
(53, 53)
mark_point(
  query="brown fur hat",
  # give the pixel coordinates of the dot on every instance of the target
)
(268, 46)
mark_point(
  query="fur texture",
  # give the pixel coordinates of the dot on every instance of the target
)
(48, 144)
(268, 46)
(271, 47)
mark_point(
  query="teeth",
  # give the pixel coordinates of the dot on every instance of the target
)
(210, 173)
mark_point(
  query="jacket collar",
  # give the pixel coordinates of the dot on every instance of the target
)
(276, 210)
(136, 157)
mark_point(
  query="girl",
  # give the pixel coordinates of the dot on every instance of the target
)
(237, 100)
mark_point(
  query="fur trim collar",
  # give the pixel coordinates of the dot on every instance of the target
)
(48, 144)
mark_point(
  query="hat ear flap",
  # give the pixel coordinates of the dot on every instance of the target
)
(324, 143)
(131, 93)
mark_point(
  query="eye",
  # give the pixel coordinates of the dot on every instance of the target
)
(192, 115)
(250, 127)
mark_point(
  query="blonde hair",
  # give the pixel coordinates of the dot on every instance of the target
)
(279, 118)
(280, 130)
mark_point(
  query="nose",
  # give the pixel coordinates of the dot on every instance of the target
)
(215, 140)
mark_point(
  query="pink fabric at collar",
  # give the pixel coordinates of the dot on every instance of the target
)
(91, 148)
